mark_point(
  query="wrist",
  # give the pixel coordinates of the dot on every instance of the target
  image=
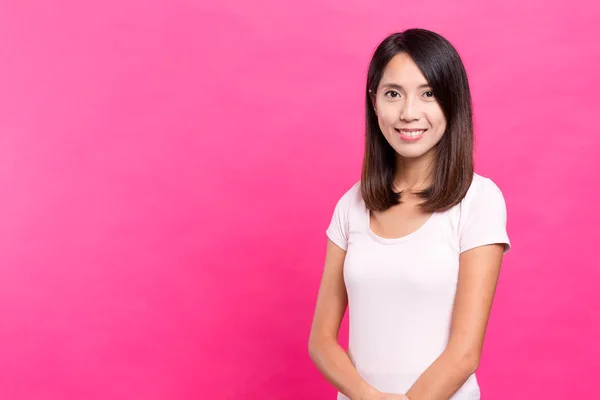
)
(367, 392)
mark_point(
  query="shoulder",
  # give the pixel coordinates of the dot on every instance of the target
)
(349, 200)
(482, 190)
(338, 230)
(351, 195)
(483, 215)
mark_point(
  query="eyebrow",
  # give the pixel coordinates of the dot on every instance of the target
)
(396, 86)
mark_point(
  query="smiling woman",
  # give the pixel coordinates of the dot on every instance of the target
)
(415, 247)
(400, 107)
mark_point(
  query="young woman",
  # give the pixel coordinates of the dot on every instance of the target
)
(415, 247)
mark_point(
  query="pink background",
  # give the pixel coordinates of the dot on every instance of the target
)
(168, 169)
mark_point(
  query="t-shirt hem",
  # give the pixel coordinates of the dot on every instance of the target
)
(339, 242)
(504, 241)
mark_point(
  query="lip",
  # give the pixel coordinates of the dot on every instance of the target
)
(410, 138)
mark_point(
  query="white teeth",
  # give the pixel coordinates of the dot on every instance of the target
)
(413, 134)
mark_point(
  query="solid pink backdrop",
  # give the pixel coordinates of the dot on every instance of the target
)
(168, 169)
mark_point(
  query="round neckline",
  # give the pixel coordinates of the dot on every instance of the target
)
(400, 239)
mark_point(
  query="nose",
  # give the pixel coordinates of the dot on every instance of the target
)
(409, 111)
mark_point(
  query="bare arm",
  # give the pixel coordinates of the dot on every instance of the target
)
(323, 346)
(478, 277)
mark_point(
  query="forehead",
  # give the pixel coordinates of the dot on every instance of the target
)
(403, 71)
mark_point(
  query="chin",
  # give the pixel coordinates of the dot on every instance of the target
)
(411, 155)
(414, 152)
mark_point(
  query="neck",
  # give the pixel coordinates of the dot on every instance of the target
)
(413, 174)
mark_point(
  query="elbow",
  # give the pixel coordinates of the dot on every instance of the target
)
(467, 360)
(470, 361)
(316, 347)
(313, 348)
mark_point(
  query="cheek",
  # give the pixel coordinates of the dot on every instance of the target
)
(439, 118)
(441, 123)
(386, 115)
(442, 126)
(436, 119)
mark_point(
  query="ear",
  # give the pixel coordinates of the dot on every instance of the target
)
(373, 100)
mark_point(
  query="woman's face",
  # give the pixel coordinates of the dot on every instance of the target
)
(404, 101)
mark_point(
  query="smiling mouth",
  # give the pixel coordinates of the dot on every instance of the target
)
(411, 135)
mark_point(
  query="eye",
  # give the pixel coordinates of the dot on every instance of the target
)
(429, 94)
(392, 94)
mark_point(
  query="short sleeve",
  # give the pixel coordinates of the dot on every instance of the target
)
(339, 226)
(483, 216)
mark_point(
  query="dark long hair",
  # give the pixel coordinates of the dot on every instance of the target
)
(441, 65)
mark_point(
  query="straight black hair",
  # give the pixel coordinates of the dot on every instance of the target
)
(443, 69)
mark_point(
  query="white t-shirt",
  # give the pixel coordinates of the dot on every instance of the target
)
(401, 291)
